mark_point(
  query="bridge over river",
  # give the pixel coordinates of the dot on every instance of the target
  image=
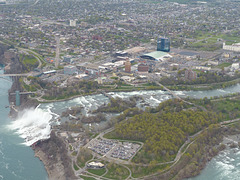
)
(15, 75)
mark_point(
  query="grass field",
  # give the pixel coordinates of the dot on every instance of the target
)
(226, 64)
(139, 171)
(30, 60)
(98, 172)
(116, 171)
(87, 178)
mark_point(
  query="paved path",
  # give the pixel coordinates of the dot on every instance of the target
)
(36, 55)
(171, 92)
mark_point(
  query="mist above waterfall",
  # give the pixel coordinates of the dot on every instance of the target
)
(32, 125)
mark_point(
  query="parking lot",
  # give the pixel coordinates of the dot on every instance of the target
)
(114, 149)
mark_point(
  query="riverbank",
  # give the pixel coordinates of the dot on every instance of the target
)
(205, 87)
(230, 143)
(201, 151)
(55, 169)
(122, 94)
(45, 151)
(53, 153)
(100, 91)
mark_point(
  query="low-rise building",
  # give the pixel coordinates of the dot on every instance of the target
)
(95, 165)
(234, 67)
(234, 47)
(143, 68)
(67, 59)
(70, 70)
(190, 75)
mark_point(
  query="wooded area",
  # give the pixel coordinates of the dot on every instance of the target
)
(165, 130)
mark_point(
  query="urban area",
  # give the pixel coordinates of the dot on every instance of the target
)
(74, 48)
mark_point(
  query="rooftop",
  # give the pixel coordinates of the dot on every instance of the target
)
(156, 55)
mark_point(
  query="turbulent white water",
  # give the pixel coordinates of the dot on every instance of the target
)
(32, 125)
(17, 161)
(225, 166)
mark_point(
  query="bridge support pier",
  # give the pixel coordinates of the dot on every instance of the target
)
(18, 103)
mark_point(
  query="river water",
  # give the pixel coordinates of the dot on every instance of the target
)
(34, 124)
(17, 161)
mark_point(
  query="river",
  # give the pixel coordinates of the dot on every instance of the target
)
(225, 166)
(17, 161)
(34, 124)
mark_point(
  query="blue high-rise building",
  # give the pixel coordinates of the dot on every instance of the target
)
(163, 44)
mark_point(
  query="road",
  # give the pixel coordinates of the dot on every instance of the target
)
(177, 97)
(171, 92)
(187, 144)
(36, 55)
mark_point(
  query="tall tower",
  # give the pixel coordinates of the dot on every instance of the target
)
(163, 44)
(127, 66)
(57, 51)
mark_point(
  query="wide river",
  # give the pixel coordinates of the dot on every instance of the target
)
(17, 160)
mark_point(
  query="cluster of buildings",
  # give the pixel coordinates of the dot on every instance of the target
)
(190, 75)
(234, 47)
(98, 31)
(97, 43)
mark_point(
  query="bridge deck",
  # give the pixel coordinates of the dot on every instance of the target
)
(13, 75)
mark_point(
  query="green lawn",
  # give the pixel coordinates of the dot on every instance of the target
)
(226, 64)
(116, 171)
(76, 167)
(139, 171)
(30, 60)
(230, 39)
(74, 153)
(98, 172)
(87, 178)
(227, 106)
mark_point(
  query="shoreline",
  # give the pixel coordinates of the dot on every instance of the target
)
(54, 173)
(59, 171)
(96, 93)
(58, 165)
(227, 141)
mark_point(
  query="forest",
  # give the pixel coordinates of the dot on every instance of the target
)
(227, 107)
(117, 105)
(164, 129)
(202, 78)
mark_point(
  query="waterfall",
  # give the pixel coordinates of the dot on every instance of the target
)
(32, 125)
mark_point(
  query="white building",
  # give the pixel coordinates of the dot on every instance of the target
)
(234, 67)
(95, 165)
(203, 68)
(234, 47)
(73, 23)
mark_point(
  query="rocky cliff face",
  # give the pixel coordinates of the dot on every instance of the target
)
(53, 153)
(3, 48)
(9, 57)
